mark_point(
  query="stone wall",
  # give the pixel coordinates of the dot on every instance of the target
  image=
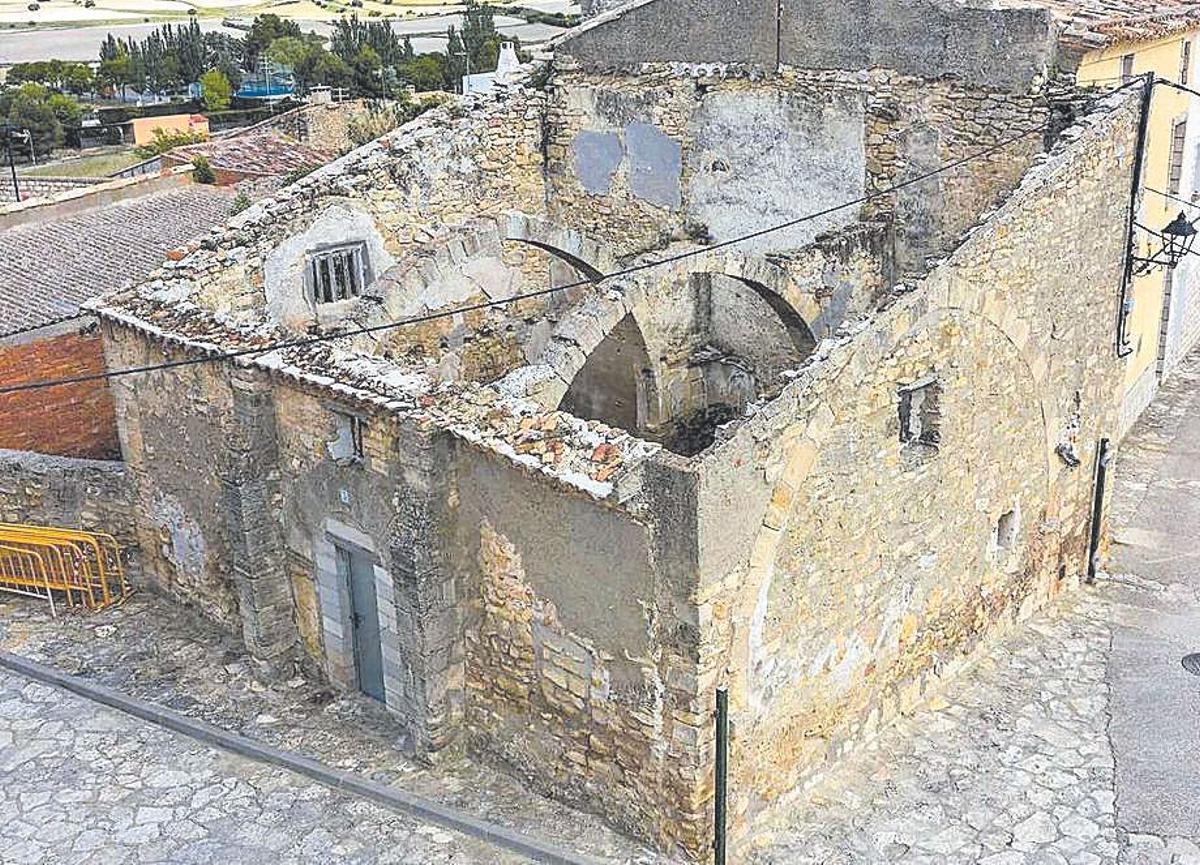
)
(91, 495)
(580, 648)
(45, 187)
(879, 567)
(640, 161)
(453, 164)
(74, 420)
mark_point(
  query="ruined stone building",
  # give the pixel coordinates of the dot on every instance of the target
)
(822, 467)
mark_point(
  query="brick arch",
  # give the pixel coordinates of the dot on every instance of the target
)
(807, 438)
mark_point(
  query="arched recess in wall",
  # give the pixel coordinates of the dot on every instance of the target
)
(807, 439)
(688, 359)
(611, 385)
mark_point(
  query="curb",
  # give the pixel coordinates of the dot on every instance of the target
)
(396, 800)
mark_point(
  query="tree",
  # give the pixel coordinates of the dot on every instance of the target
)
(265, 30)
(203, 172)
(118, 71)
(216, 90)
(30, 110)
(425, 72)
(368, 78)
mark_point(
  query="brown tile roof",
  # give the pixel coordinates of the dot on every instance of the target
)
(262, 154)
(49, 268)
(1091, 24)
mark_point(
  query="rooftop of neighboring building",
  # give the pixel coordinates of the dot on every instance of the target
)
(1091, 24)
(268, 153)
(49, 267)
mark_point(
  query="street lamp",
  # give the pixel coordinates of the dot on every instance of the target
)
(9, 132)
(1178, 238)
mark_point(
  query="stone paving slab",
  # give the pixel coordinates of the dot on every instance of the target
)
(88, 785)
(153, 649)
(1010, 766)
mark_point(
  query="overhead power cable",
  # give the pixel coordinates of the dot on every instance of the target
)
(303, 342)
(1171, 197)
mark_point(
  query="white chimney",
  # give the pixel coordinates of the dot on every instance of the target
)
(508, 61)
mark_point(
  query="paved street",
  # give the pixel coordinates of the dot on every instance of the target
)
(1076, 741)
(84, 784)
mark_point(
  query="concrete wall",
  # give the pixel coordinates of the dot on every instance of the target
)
(1003, 48)
(876, 569)
(73, 420)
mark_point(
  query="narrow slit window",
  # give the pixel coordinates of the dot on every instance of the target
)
(347, 444)
(920, 415)
(1185, 61)
(1126, 68)
(337, 274)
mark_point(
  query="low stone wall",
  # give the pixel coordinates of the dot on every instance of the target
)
(45, 187)
(92, 495)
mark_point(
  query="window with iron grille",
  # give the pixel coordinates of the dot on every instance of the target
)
(1185, 61)
(337, 274)
(1178, 138)
(1126, 68)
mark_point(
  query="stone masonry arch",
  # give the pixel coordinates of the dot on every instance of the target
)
(584, 326)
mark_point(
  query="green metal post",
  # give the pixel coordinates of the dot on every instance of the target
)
(722, 770)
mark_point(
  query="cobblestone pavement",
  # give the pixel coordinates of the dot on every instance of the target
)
(84, 784)
(1075, 741)
(154, 649)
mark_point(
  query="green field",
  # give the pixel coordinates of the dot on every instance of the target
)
(100, 165)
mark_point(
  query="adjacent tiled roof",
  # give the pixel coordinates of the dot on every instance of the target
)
(49, 268)
(1096, 23)
(263, 154)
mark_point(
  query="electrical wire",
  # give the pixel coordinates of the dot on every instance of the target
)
(305, 342)
(1170, 197)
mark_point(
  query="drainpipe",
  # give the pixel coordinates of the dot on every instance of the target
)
(1135, 191)
(1102, 458)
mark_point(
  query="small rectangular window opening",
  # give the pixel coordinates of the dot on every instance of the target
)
(1006, 529)
(920, 414)
(337, 274)
(1126, 68)
(1185, 61)
(1175, 166)
(347, 446)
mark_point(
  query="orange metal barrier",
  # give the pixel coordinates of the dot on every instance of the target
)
(82, 568)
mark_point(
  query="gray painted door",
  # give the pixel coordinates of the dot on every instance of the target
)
(359, 573)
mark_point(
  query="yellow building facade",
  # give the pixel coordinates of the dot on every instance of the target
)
(1155, 331)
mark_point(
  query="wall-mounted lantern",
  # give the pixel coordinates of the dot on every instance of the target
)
(1178, 238)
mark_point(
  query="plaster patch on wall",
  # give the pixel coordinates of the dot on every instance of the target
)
(283, 269)
(596, 155)
(762, 158)
(655, 165)
(182, 541)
